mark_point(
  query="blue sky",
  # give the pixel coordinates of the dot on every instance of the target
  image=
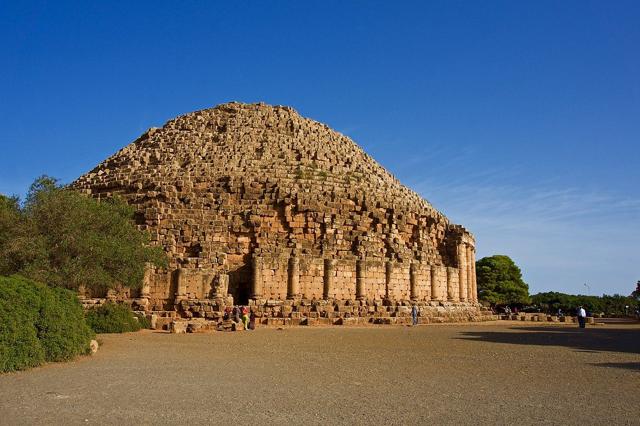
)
(520, 120)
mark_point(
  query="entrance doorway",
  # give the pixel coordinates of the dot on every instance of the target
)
(240, 284)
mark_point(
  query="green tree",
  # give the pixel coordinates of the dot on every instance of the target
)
(614, 305)
(636, 293)
(10, 226)
(66, 239)
(500, 281)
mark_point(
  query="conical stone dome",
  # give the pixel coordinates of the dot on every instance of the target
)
(252, 191)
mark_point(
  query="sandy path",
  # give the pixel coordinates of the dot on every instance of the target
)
(494, 373)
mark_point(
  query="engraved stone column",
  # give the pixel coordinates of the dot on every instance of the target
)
(388, 274)
(293, 284)
(329, 274)
(469, 269)
(256, 277)
(427, 285)
(450, 284)
(413, 281)
(474, 283)
(145, 292)
(462, 267)
(361, 272)
(435, 294)
(222, 287)
(181, 285)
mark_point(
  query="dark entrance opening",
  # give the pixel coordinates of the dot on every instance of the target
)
(239, 284)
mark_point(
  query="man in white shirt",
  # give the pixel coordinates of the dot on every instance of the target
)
(582, 317)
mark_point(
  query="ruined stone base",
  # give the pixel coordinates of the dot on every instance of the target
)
(196, 315)
(542, 317)
(317, 313)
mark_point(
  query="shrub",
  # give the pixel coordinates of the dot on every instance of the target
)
(113, 318)
(39, 324)
(19, 344)
(143, 321)
(62, 328)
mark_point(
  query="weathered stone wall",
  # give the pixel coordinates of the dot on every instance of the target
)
(265, 205)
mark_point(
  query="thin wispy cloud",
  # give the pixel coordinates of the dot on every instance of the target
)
(562, 237)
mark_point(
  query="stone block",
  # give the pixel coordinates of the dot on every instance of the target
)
(325, 321)
(178, 327)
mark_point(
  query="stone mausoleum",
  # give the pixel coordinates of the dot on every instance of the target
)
(256, 205)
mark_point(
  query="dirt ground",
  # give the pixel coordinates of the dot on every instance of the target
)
(491, 373)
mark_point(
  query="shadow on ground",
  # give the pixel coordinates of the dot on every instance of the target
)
(589, 339)
(626, 365)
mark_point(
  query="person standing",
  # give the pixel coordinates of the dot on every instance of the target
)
(252, 321)
(414, 314)
(582, 317)
(245, 317)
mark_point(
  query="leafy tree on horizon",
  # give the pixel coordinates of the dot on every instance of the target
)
(10, 222)
(606, 304)
(65, 239)
(500, 281)
(636, 293)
